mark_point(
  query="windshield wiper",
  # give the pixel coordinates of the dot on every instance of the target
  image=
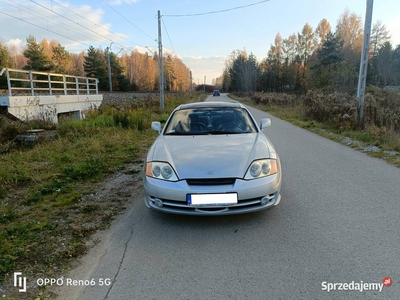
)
(223, 132)
(179, 133)
(204, 132)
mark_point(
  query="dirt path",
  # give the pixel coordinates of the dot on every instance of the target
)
(120, 187)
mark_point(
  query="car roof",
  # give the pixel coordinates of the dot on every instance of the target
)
(210, 104)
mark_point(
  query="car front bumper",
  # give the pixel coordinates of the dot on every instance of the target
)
(253, 195)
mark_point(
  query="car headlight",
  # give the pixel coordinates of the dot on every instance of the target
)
(160, 170)
(261, 168)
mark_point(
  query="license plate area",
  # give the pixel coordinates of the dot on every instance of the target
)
(211, 199)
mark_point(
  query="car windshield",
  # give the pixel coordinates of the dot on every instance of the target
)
(216, 120)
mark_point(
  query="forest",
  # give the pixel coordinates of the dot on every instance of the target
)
(135, 71)
(324, 59)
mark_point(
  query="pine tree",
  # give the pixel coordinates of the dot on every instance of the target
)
(95, 66)
(37, 60)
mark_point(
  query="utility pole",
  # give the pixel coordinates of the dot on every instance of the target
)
(362, 78)
(160, 58)
(109, 66)
(205, 83)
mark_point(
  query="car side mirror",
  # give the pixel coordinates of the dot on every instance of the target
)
(265, 123)
(156, 126)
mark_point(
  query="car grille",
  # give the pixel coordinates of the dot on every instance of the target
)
(242, 206)
(210, 181)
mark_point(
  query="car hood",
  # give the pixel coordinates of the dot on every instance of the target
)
(211, 156)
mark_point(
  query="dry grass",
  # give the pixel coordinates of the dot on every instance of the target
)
(334, 116)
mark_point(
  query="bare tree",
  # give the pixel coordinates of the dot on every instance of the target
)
(77, 61)
(379, 36)
(306, 44)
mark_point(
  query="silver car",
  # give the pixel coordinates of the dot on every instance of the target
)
(211, 158)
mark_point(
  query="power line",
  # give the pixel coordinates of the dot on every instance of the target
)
(168, 36)
(217, 11)
(82, 43)
(30, 13)
(51, 10)
(128, 21)
(104, 37)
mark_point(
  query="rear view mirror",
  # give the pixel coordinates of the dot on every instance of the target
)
(265, 123)
(156, 126)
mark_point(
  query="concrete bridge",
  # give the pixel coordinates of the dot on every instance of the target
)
(48, 96)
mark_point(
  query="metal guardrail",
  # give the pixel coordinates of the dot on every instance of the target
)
(51, 83)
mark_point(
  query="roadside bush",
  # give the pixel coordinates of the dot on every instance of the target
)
(138, 119)
(382, 109)
(282, 100)
(337, 109)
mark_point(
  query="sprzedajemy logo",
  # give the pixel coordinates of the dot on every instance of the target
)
(20, 282)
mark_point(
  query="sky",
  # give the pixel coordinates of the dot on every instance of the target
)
(201, 33)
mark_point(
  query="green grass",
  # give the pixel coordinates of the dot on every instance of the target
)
(43, 222)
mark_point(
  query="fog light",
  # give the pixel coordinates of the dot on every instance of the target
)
(158, 202)
(264, 201)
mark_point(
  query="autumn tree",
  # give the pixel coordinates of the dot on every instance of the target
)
(141, 70)
(76, 64)
(349, 29)
(306, 43)
(322, 31)
(274, 62)
(182, 74)
(48, 47)
(289, 53)
(134, 71)
(61, 59)
(322, 59)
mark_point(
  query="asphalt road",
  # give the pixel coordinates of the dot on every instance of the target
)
(338, 222)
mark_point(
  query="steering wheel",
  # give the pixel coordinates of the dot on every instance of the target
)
(200, 126)
(231, 127)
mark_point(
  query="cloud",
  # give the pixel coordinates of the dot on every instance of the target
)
(66, 23)
(17, 43)
(154, 50)
(149, 50)
(209, 67)
(195, 57)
